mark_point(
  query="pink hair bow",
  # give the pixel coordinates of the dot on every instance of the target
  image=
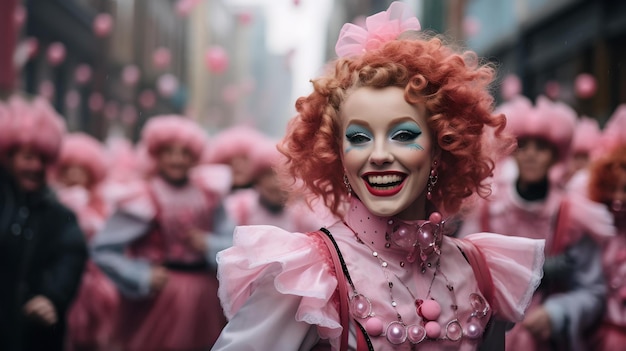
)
(379, 29)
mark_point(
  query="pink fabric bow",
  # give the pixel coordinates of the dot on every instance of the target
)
(379, 29)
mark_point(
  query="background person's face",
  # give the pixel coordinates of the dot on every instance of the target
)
(74, 175)
(28, 167)
(174, 162)
(534, 157)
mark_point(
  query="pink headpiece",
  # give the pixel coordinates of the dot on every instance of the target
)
(586, 136)
(163, 130)
(379, 29)
(614, 133)
(83, 150)
(34, 123)
(235, 141)
(553, 121)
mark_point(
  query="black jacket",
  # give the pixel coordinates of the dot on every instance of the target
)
(42, 252)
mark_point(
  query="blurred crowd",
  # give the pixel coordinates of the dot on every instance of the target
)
(111, 245)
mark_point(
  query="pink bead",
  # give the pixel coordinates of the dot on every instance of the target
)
(435, 217)
(474, 330)
(433, 330)
(404, 236)
(431, 310)
(416, 333)
(396, 333)
(361, 306)
(425, 235)
(374, 326)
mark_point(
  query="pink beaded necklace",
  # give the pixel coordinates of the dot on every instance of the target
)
(425, 240)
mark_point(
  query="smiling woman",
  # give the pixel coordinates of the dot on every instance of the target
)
(392, 140)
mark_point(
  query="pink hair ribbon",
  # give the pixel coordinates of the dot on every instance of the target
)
(379, 29)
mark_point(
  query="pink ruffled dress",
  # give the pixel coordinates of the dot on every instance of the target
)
(93, 314)
(278, 288)
(151, 229)
(611, 335)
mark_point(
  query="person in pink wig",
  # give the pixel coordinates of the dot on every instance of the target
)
(42, 249)
(527, 202)
(391, 140)
(159, 246)
(77, 178)
(234, 147)
(607, 185)
(586, 138)
(266, 203)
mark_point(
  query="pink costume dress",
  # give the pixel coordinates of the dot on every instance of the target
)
(278, 287)
(92, 316)
(611, 335)
(245, 208)
(572, 290)
(150, 229)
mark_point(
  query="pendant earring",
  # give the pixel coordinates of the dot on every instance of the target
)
(432, 181)
(346, 182)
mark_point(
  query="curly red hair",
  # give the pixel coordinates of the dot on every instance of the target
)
(452, 85)
(604, 173)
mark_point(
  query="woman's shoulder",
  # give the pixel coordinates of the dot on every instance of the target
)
(297, 263)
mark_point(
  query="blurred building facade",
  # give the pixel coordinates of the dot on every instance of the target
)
(549, 43)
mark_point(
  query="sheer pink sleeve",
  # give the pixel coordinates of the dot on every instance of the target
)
(516, 267)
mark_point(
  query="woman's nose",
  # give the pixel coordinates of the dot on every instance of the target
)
(381, 153)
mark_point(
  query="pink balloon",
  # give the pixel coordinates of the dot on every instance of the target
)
(147, 99)
(82, 73)
(47, 89)
(19, 16)
(511, 86)
(184, 7)
(585, 86)
(102, 24)
(167, 85)
(471, 26)
(245, 18)
(552, 89)
(72, 99)
(131, 75)
(216, 59)
(56, 53)
(161, 58)
(96, 102)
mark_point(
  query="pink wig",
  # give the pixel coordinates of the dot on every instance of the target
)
(266, 155)
(552, 121)
(586, 135)
(164, 130)
(34, 123)
(83, 150)
(239, 140)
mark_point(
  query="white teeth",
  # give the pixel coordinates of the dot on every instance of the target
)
(382, 180)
